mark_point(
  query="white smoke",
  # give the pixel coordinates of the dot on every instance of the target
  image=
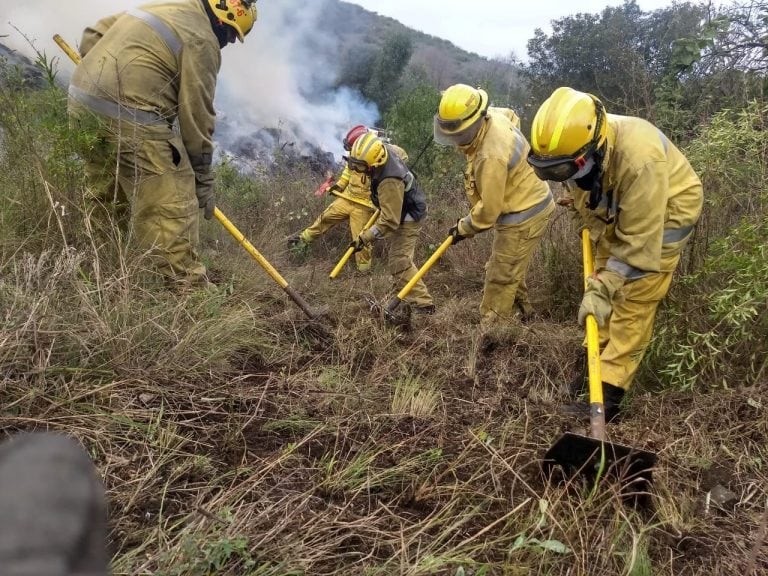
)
(280, 79)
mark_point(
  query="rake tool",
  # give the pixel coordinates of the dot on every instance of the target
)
(231, 228)
(268, 268)
(351, 250)
(593, 456)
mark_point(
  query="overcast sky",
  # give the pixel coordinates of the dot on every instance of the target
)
(488, 27)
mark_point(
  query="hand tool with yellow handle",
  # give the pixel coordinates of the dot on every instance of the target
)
(351, 250)
(397, 300)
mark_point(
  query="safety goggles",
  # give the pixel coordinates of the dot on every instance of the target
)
(357, 165)
(562, 168)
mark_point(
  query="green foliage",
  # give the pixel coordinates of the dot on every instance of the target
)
(436, 61)
(618, 54)
(41, 172)
(237, 189)
(207, 553)
(686, 51)
(387, 69)
(720, 66)
(717, 335)
(410, 120)
(730, 157)
(724, 338)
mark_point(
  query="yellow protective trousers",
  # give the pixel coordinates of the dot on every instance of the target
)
(148, 190)
(513, 247)
(626, 335)
(402, 245)
(337, 212)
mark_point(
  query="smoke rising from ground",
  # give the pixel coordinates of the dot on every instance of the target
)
(281, 79)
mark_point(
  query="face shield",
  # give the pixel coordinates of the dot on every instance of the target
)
(446, 133)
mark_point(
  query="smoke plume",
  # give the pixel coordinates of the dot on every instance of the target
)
(276, 89)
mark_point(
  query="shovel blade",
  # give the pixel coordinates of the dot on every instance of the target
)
(582, 455)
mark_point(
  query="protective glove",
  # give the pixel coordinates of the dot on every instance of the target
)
(601, 290)
(205, 191)
(358, 244)
(455, 233)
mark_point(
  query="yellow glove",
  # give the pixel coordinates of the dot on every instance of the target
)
(601, 289)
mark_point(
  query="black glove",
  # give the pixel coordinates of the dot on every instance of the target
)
(454, 233)
(205, 192)
(357, 244)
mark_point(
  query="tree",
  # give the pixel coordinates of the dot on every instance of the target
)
(723, 65)
(620, 54)
(387, 69)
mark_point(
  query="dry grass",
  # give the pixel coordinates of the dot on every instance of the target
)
(233, 438)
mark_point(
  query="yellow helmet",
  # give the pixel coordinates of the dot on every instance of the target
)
(367, 152)
(240, 14)
(568, 128)
(460, 114)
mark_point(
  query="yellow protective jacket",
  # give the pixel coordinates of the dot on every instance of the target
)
(651, 200)
(355, 186)
(498, 179)
(158, 64)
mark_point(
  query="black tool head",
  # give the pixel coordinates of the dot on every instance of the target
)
(582, 455)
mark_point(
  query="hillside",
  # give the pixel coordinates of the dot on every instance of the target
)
(360, 31)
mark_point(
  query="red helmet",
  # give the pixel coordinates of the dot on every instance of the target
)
(352, 135)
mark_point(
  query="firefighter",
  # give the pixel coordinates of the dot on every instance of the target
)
(141, 71)
(353, 202)
(396, 192)
(640, 199)
(504, 194)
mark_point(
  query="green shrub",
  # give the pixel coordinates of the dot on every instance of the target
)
(719, 335)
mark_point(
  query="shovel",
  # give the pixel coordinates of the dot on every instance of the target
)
(231, 228)
(351, 250)
(593, 456)
(397, 300)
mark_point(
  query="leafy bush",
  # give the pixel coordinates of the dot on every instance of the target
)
(719, 337)
(716, 333)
